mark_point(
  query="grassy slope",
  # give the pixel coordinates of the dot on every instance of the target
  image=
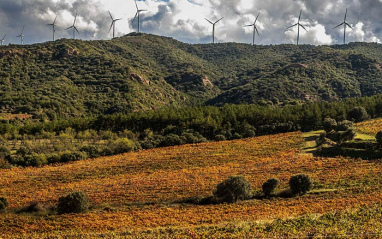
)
(137, 191)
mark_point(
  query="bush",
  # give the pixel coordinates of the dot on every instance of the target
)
(171, 140)
(122, 145)
(378, 137)
(73, 156)
(329, 124)
(344, 125)
(269, 186)
(75, 202)
(233, 189)
(5, 152)
(300, 184)
(220, 137)
(3, 203)
(91, 150)
(358, 114)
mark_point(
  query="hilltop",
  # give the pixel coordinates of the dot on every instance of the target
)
(141, 72)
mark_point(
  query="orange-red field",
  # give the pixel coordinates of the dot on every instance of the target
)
(138, 191)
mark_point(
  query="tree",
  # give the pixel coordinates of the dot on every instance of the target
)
(300, 184)
(232, 189)
(75, 202)
(3, 203)
(269, 186)
(329, 124)
(358, 114)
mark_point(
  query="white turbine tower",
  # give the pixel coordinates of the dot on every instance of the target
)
(74, 28)
(254, 29)
(345, 24)
(2, 40)
(53, 26)
(138, 15)
(298, 24)
(22, 36)
(213, 28)
(113, 23)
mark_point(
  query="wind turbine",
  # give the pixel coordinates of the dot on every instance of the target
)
(113, 23)
(22, 36)
(2, 40)
(345, 24)
(213, 28)
(54, 26)
(298, 27)
(74, 28)
(138, 14)
(254, 29)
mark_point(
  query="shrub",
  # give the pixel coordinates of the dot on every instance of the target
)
(75, 202)
(346, 135)
(344, 125)
(3, 203)
(220, 137)
(91, 150)
(122, 145)
(269, 186)
(329, 124)
(300, 184)
(171, 140)
(378, 137)
(5, 152)
(73, 156)
(233, 189)
(358, 114)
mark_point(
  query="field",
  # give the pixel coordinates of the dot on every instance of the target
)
(142, 194)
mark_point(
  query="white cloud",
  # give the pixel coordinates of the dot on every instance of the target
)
(184, 19)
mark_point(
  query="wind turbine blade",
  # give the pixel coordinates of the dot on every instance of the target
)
(76, 30)
(22, 30)
(136, 5)
(349, 26)
(293, 25)
(257, 31)
(249, 25)
(346, 13)
(300, 15)
(257, 17)
(75, 19)
(303, 27)
(218, 20)
(136, 14)
(117, 19)
(111, 16)
(69, 28)
(4, 37)
(55, 20)
(209, 21)
(111, 26)
(338, 25)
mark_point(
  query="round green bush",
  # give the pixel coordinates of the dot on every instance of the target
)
(75, 202)
(232, 189)
(3, 203)
(91, 150)
(73, 156)
(329, 124)
(269, 186)
(344, 125)
(220, 137)
(358, 114)
(300, 184)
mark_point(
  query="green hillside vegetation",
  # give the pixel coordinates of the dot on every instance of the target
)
(136, 72)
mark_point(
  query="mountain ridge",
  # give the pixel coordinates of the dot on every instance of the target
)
(145, 72)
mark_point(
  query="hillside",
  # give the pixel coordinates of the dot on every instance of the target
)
(140, 72)
(145, 192)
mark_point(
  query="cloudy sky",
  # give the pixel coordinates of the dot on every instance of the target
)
(184, 19)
